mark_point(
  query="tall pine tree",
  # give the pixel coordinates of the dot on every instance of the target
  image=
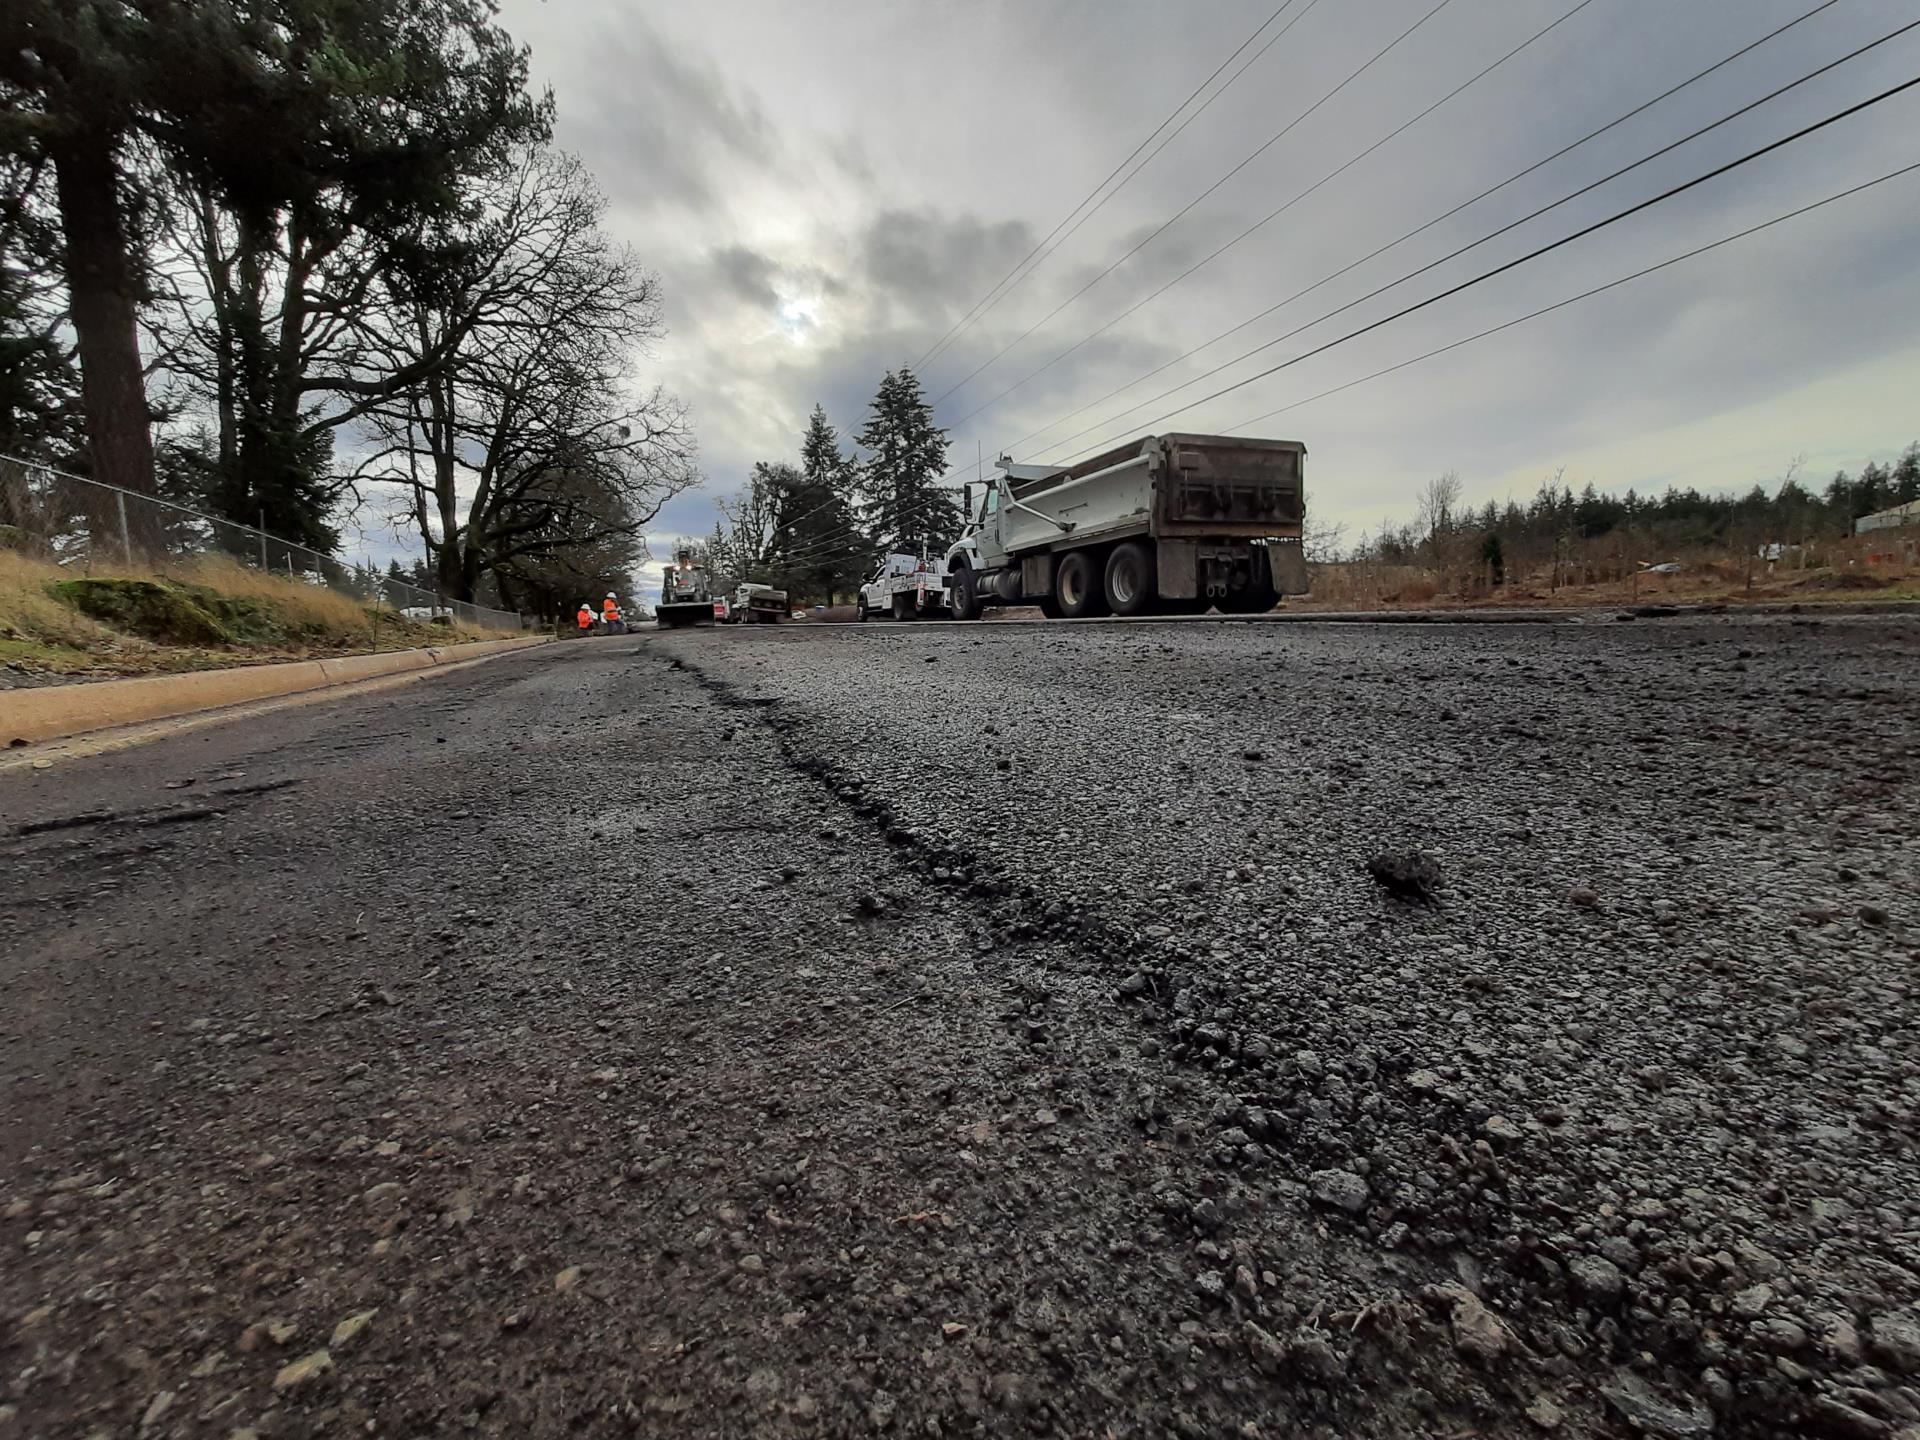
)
(824, 523)
(907, 509)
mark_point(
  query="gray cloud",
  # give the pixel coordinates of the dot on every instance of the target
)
(658, 124)
(747, 274)
(934, 265)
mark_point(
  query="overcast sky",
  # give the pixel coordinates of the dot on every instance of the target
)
(826, 187)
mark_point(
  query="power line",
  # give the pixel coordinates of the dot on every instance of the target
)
(1475, 244)
(1588, 294)
(1583, 295)
(1509, 265)
(829, 551)
(1591, 135)
(1170, 221)
(1274, 214)
(820, 551)
(997, 293)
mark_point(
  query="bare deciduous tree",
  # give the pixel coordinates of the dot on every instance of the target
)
(530, 437)
(1439, 502)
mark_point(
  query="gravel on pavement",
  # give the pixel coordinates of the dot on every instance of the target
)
(984, 1030)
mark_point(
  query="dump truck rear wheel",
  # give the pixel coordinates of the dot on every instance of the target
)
(1129, 587)
(1077, 587)
(1050, 607)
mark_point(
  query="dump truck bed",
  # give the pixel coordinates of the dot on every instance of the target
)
(1179, 486)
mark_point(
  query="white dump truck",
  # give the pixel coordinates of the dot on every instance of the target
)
(905, 585)
(1165, 524)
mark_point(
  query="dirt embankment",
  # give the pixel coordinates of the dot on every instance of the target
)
(206, 614)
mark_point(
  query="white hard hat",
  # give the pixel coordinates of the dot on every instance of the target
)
(610, 594)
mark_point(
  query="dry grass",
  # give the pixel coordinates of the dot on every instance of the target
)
(29, 612)
(270, 618)
(308, 610)
(1851, 572)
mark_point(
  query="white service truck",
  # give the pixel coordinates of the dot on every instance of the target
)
(1161, 525)
(904, 586)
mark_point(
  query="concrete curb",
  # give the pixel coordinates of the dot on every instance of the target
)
(54, 712)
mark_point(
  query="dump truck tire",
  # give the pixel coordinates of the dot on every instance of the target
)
(1077, 586)
(1130, 586)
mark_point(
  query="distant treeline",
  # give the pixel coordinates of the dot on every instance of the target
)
(1557, 519)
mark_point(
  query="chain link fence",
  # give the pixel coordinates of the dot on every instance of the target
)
(87, 527)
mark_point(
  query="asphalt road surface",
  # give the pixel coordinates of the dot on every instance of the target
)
(985, 1030)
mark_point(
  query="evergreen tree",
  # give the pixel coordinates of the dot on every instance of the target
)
(1906, 476)
(824, 522)
(907, 509)
(313, 140)
(1493, 555)
(817, 550)
(39, 382)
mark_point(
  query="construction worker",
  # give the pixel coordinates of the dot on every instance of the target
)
(585, 616)
(610, 612)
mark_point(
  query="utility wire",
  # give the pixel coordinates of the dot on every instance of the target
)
(1583, 295)
(1531, 315)
(926, 502)
(1422, 229)
(825, 550)
(1584, 231)
(998, 293)
(1275, 214)
(1170, 221)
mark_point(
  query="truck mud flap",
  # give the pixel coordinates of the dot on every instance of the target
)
(1179, 570)
(1289, 563)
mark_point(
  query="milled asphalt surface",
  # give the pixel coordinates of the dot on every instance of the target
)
(951, 1030)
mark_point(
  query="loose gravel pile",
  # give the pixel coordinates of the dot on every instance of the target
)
(1637, 1092)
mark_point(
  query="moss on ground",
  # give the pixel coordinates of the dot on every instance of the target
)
(156, 610)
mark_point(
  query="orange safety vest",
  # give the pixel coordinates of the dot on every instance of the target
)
(610, 609)
(586, 618)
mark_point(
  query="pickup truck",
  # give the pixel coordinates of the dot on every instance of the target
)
(904, 586)
(1165, 524)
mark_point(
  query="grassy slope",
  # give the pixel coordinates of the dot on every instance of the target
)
(201, 615)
